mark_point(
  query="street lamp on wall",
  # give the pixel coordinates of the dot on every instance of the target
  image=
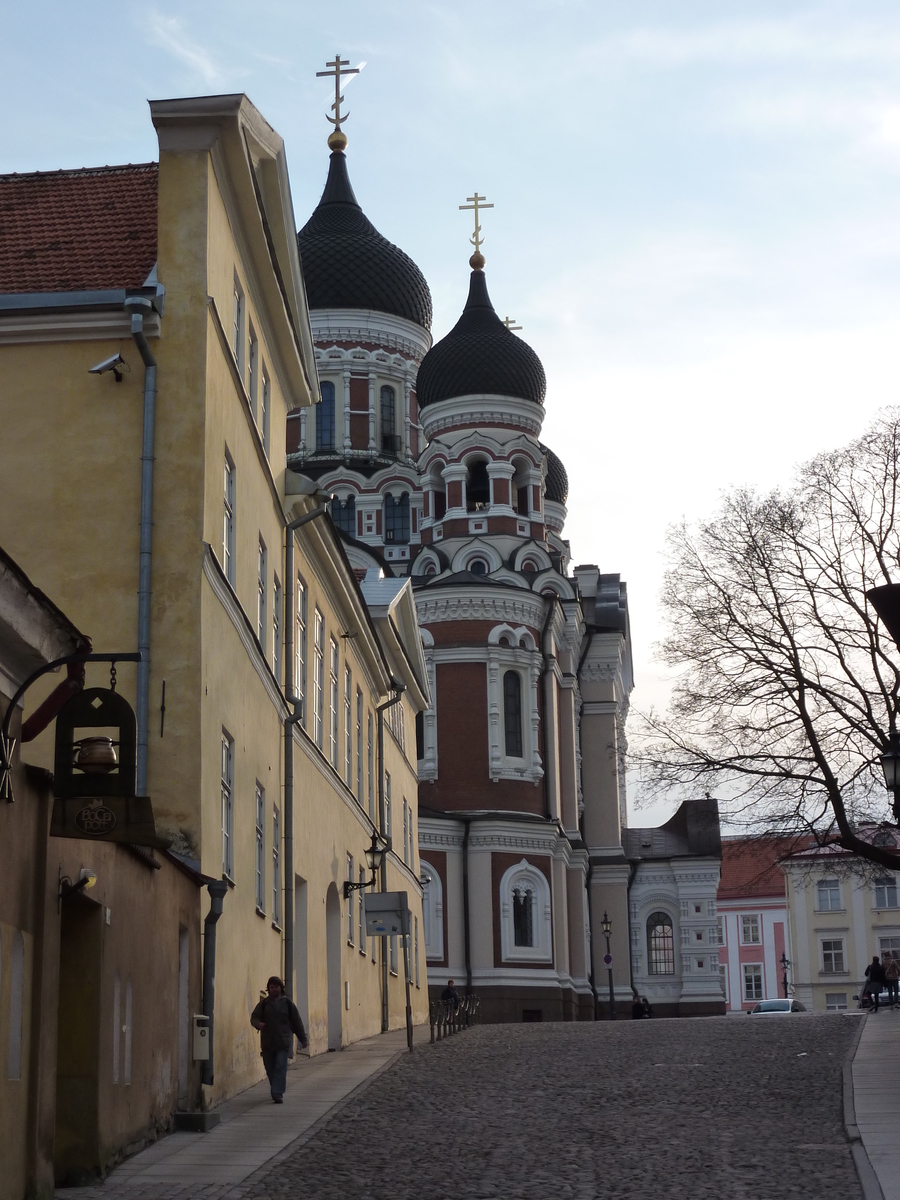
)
(606, 926)
(785, 964)
(890, 765)
(374, 858)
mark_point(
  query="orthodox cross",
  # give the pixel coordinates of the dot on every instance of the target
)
(476, 203)
(509, 322)
(338, 70)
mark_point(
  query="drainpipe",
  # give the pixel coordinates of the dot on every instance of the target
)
(289, 723)
(466, 937)
(398, 690)
(218, 889)
(139, 307)
(590, 871)
(544, 672)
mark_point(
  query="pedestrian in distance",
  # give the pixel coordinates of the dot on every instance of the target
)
(892, 978)
(645, 1004)
(450, 995)
(876, 977)
(277, 1019)
(637, 1008)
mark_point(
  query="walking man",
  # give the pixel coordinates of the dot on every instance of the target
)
(876, 978)
(892, 978)
(277, 1019)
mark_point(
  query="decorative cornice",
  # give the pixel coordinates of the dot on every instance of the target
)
(365, 325)
(483, 411)
(85, 325)
(525, 609)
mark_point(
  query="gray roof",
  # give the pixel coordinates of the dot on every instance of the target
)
(691, 833)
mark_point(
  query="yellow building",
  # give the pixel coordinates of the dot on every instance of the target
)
(153, 337)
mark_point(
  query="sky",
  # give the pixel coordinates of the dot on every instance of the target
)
(696, 215)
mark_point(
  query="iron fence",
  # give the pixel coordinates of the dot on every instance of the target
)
(450, 1016)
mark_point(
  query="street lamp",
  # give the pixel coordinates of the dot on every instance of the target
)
(785, 963)
(606, 926)
(374, 858)
(890, 765)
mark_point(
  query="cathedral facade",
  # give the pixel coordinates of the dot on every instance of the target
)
(432, 454)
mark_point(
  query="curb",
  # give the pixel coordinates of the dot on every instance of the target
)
(868, 1180)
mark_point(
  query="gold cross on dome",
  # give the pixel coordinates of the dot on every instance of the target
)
(510, 324)
(476, 204)
(337, 71)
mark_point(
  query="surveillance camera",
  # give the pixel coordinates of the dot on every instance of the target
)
(116, 363)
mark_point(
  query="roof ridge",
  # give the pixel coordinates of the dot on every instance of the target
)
(62, 171)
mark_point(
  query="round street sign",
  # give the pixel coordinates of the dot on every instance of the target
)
(607, 960)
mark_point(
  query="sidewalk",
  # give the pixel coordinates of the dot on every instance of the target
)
(876, 1097)
(253, 1131)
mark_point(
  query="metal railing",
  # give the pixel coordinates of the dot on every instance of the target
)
(450, 1016)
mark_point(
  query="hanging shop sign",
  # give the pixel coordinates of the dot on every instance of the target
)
(387, 913)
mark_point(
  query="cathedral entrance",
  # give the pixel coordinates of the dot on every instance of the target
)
(333, 956)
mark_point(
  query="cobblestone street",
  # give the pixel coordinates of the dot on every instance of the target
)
(724, 1108)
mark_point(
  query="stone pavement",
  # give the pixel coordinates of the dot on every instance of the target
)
(876, 1096)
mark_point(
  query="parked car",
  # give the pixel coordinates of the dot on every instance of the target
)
(768, 1008)
(864, 1000)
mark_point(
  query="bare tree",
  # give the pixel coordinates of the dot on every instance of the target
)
(787, 685)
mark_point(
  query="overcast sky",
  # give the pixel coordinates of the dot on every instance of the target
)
(696, 222)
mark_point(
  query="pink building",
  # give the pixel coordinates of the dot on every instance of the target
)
(753, 921)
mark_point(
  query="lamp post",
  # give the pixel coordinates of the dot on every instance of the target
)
(785, 963)
(606, 926)
(374, 858)
(890, 765)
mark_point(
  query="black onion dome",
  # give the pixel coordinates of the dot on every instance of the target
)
(557, 483)
(480, 356)
(348, 264)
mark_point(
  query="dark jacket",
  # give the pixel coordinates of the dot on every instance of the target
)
(875, 973)
(450, 996)
(277, 1020)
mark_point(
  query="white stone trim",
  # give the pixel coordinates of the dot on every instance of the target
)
(527, 665)
(524, 875)
(526, 609)
(485, 410)
(432, 911)
(80, 326)
(366, 325)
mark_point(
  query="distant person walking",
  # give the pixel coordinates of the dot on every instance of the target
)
(876, 977)
(277, 1019)
(892, 979)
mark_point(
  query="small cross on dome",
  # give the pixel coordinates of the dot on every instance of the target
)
(475, 204)
(341, 66)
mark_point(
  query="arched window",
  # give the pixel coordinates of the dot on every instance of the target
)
(325, 417)
(389, 439)
(432, 910)
(478, 566)
(512, 713)
(523, 899)
(478, 487)
(529, 567)
(396, 518)
(660, 944)
(525, 914)
(344, 515)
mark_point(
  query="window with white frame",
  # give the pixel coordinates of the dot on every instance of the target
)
(828, 895)
(512, 713)
(750, 929)
(832, 956)
(660, 944)
(228, 563)
(348, 727)
(318, 678)
(260, 848)
(370, 765)
(261, 567)
(237, 326)
(333, 703)
(351, 916)
(253, 370)
(889, 947)
(359, 746)
(412, 839)
(227, 804)
(432, 912)
(276, 866)
(753, 981)
(300, 646)
(525, 914)
(513, 672)
(362, 912)
(265, 408)
(277, 602)
(835, 1001)
(720, 931)
(886, 892)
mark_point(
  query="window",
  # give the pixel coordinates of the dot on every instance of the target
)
(412, 842)
(370, 766)
(277, 602)
(753, 988)
(319, 679)
(261, 594)
(886, 892)
(253, 370)
(479, 567)
(260, 848)
(362, 912)
(416, 948)
(832, 956)
(276, 866)
(348, 727)
(325, 417)
(835, 1001)
(889, 947)
(359, 746)
(660, 944)
(389, 441)
(405, 831)
(720, 931)
(351, 916)
(512, 713)
(478, 488)
(393, 954)
(432, 912)
(227, 805)
(333, 703)
(237, 328)
(523, 913)
(300, 664)
(265, 409)
(828, 895)
(228, 531)
(750, 930)
(343, 513)
(396, 518)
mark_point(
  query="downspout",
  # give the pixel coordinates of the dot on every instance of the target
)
(289, 722)
(544, 672)
(632, 871)
(590, 871)
(467, 822)
(218, 889)
(139, 307)
(398, 689)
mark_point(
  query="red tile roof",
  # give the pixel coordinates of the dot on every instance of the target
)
(750, 865)
(84, 230)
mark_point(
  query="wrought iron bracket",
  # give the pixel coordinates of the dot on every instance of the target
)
(349, 886)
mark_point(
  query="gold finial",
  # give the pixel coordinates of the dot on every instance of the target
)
(337, 139)
(510, 324)
(476, 203)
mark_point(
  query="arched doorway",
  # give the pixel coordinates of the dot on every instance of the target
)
(333, 957)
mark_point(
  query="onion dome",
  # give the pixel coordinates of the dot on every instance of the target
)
(348, 264)
(557, 482)
(479, 356)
